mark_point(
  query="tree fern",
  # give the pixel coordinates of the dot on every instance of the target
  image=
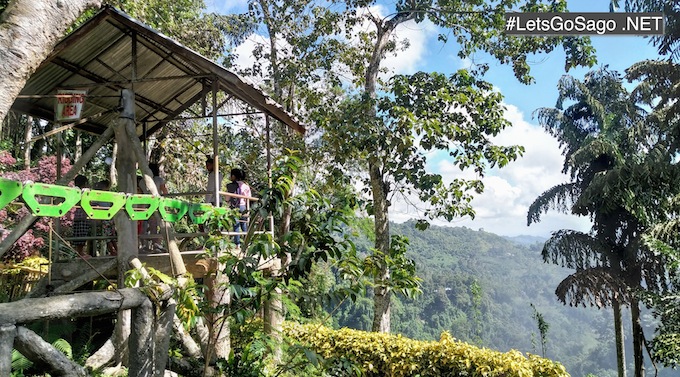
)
(20, 363)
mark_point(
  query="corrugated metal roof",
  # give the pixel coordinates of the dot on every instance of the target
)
(99, 57)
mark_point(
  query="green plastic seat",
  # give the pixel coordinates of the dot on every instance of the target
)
(116, 200)
(141, 206)
(54, 201)
(9, 190)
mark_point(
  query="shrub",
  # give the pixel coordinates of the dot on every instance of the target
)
(379, 354)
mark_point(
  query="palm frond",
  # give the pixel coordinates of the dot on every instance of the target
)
(559, 198)
(19, 361)
(593, 149)
(576, 250)
(64, 347)
(592, 287)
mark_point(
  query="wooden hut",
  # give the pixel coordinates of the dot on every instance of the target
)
(133, 81)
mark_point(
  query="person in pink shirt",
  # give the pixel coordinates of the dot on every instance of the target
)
(238, 183)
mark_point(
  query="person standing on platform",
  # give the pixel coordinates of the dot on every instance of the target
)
(154, 221)
(242, 189)
(211, 195)
(81, 223)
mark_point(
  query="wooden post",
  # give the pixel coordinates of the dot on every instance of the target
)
(125, 228)
(7, 334)
(133, 143)
(162, 334)
(216, 155)
(141, 341)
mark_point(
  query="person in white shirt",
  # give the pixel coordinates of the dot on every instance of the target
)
(210, 197)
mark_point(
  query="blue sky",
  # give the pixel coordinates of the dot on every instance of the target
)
(502, 208)
(509, 191)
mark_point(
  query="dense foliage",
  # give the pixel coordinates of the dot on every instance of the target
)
(480, 287)
(379, 354)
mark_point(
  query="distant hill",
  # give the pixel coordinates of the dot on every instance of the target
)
(526, 240)
(481, 287)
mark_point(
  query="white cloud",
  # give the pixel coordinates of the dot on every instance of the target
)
(502, 208)
(411, 60)
(245, 58)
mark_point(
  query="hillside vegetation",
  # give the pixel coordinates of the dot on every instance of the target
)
(480, 287)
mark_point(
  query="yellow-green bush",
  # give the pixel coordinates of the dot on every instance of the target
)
(395, 356)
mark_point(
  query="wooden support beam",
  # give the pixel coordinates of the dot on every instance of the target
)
(132, 141)
(75, 305)
(162, 333)
(141, 361)
(7, 334)
(43, 354)
(83, 276)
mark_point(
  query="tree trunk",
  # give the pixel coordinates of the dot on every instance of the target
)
(79, 145)
(380, 191)
(70, 306)
(638, 339)
(27, 142)
(273, 321)
(381, 294)
(618, 332)
(218, 321)
(29, 30)
(44, 355)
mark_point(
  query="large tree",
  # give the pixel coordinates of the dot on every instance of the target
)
(388, 128)
(325, 63)
(658, 90)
